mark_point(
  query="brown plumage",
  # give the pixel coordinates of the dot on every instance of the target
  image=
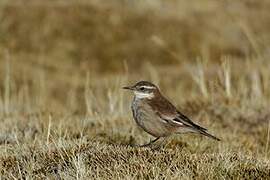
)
(157, 116)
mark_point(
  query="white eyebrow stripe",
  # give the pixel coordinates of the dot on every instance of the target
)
(148, 87)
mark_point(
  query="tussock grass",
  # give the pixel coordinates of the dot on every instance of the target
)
(64, 115)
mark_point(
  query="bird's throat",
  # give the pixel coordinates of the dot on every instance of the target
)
(141, 95)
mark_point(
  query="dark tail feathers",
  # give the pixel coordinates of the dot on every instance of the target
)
(209, 135)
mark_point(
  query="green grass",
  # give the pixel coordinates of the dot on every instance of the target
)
(64, 115)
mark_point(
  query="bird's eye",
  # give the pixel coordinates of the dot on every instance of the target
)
(142, 88)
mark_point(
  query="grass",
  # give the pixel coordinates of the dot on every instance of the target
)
(63, 113)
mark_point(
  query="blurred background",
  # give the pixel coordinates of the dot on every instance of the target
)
(49, 49)
(68, 39)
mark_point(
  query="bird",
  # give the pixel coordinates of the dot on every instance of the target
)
(158, 116)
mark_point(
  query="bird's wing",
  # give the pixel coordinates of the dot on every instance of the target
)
(179, 119)
(170, 120)
(185, 120)
(169, 113)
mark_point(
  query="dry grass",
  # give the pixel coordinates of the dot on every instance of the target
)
(63, 114)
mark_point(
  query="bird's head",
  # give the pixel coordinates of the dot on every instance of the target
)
(143, 89)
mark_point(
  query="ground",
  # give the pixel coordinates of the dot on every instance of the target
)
(63, 114)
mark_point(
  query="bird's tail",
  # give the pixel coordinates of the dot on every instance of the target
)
(203, 132)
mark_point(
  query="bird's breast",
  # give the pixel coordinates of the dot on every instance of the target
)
(136, 110)
(147, 119)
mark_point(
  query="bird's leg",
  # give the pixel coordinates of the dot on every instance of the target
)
(160, 145)
(151, 142)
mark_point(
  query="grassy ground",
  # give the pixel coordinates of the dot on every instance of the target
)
(63, 113)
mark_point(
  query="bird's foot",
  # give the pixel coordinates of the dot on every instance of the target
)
(150, 143)
(147, 144)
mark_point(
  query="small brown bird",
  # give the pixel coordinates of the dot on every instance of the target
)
(157, 116)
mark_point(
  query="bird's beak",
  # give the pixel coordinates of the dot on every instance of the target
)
(128, 88)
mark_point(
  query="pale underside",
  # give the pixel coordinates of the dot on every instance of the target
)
(151, 122)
